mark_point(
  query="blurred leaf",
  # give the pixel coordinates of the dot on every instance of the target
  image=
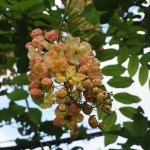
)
(89, 14)
(113, 70)
(133, 65)
(120, 82)
(143, 74)
(3, 92)
(109, 138)
(107, 54)
(18, 94)
(21, 80)
(126, 98)
(48, 128)
(35, 115)
(138, 128)
(145, 58)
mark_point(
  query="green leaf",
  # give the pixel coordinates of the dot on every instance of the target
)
(107, 54)
(133, 65)
(120, 82)
(129, 112)
(18, 94)
(145, 58)
(126, 98)
(123, 54)
(3, 92)
(89, 14)
(21, 80)
(50, 129)
(35, 115)
(143, 75)
(138, 128)
(110, 121)
(113, 70)
(109, 138)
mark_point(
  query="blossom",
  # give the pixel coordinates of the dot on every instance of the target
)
(36, 32)
(51, 35)
(36, 42)
(47, 83)
(36, 94)
(77, 49)
(70, 76)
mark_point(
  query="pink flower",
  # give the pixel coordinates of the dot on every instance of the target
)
(36, 32)
(28, 44)
(36, 94)
(37, 42)
(51, 35)
(34, 85)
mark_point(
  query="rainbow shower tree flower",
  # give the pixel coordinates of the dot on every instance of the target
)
(66, 74)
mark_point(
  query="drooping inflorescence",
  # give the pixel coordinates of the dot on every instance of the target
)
(67, 75)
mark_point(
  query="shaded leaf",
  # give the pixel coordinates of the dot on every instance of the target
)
(18, 94)
(109, 138)
(35, 115)
(21, 80)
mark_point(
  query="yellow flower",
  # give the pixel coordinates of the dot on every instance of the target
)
(48, 99)
(71, 76)
(77, 49)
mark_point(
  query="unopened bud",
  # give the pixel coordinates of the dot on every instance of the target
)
(97, 82)
(79, 87)
(102, 126)
(87, 84)
(34, 85)
(47, 83)
(86, 108)
(36, 94)
(51, 35)
(59, 121)
(61, 93)
(62, 107)
(36, 42)
(74, 133)
(36, 32)
(93, 122)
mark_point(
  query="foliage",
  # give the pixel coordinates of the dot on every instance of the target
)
(19, 18)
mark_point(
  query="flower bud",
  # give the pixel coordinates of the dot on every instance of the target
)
(51, 35)
(79, 87)
(73, 109)
(62, 107)
(74, 133)
(100, 96)
(89, 96)
(47, 83)
(36, 42)
(95, 90)
(87, 84)
(102, 126)
(97, 82)
(106, 109)
(86, 108)
(28, 44)
(34, 85)
(36, 94)
(58, 122)
(61, 93)
(93, 122)
(36, 32)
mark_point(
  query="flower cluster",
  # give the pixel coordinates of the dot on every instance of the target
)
(67, 75)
